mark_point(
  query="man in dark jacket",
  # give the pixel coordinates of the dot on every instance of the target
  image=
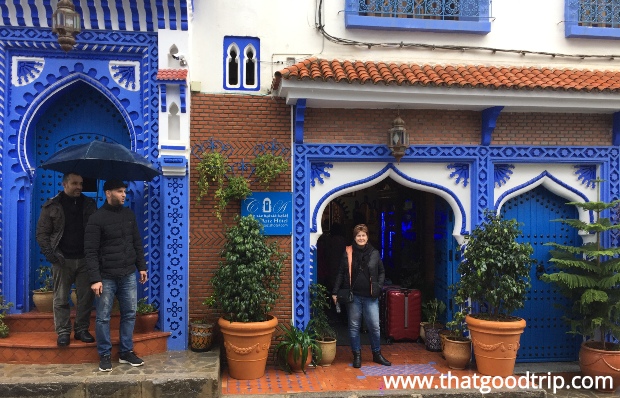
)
(60, 234)
(113, 248)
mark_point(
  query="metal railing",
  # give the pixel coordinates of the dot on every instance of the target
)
(423, 9)
(598, 13)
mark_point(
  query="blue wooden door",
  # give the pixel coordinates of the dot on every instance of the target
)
(79, 115)
(545, 338)
(447, 256)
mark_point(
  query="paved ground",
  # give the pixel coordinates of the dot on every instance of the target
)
(188, 374)
(173, 374)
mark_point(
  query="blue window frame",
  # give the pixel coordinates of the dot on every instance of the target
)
(445, 16)
(592, 19)
(241, 63)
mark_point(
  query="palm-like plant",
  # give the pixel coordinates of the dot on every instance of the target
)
(297, 345)
(589, 274)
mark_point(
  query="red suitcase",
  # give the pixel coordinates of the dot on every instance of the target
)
(403, 314)
(384, 291)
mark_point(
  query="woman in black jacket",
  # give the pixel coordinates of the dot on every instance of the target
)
(362, 271)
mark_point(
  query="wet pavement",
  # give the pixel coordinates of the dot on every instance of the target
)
(189, 374)
(171, 374)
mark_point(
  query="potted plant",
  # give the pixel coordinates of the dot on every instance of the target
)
(146, 316)
(589, 276)
(495, 274)
(295, 348)
(267, 167)
(43, 297)
(201, 332)
(456, 348)
(433, 309)
(211, 169)
(319, 325)
(246, 286)
(4, 307)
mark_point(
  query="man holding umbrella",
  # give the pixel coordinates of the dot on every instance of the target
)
(60, 234)
(113, 248)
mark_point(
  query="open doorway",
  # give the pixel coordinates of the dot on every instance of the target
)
(412, 230)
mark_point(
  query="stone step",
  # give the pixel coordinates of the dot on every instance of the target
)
(44, 321)
(32, 340)
(41, 348)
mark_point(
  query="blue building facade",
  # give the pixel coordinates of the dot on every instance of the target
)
(106, 88)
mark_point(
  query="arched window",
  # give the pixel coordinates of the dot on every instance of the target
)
(241, 63)
(251, 66)
(232, 66)
(174, 122)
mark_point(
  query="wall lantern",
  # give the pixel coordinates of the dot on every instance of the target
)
(398, 138)
(66, 23)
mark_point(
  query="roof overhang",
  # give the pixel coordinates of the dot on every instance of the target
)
(331, 94)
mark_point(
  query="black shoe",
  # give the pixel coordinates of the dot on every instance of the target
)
(130, 358)
(63, 340)
(357, 359)
(105, 363)
(84, 336)
(378, 358)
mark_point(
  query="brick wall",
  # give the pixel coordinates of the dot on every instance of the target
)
(242, 121)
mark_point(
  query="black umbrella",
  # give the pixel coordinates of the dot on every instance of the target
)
(103, 161)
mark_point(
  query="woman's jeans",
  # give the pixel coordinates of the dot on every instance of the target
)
(125, 290)
(370, 308)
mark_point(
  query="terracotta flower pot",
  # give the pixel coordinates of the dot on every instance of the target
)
(296, 364)
(44, 301)
(594, 361)
(145, 323)
(495, 344)
(247, 346)
(457, 352)
(328, 351)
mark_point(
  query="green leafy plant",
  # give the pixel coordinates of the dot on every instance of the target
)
(457, 325)
(496, 268)
(45, 278)
(211, 169)
(237, 188)
(433, 309)
(144, 307)
(268, 166)
(4, 307)
(319, 303)
(296, 343)
(246, 284)
(589, 275)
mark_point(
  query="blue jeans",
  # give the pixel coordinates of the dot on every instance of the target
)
(125, 290)
(370, 308)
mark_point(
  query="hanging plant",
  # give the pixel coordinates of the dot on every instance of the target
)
(211, 169)
(268, 166)
(238, 188)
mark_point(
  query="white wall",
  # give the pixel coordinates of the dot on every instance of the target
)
(287, 29)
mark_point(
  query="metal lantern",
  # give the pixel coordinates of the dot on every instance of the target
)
(398, 138)
(66, 23)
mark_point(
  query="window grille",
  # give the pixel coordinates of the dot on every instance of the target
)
(599, 13)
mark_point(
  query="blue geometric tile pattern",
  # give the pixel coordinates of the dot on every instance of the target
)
(309, 158)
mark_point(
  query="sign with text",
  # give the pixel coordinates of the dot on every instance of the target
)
(274, 209)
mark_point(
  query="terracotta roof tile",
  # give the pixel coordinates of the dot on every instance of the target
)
(530, 78)
(172, 74)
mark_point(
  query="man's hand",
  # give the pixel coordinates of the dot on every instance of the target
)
(143, 277)
(97, 288)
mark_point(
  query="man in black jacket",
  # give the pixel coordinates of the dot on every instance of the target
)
(60, 234)
(113, 248)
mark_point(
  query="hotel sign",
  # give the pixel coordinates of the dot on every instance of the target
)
(274, 209)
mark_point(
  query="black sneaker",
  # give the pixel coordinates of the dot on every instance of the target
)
(105, 363)
(130, 358)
